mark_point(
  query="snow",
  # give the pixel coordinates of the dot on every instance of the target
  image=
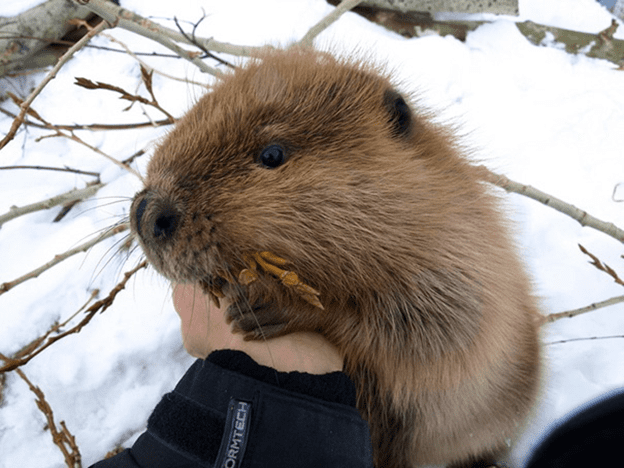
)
(536, 114)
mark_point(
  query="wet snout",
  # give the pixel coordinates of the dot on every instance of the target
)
(177, 239)
(154, 218)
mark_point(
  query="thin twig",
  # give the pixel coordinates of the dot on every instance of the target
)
(89, 46)
(149, 67)
(66, 56)
(49, 168)
(115, 161)
(62, 438)
(91, 127)
(4, 287)
(575, 213)
(589, 338)
(76, 194)
(37, 342)
(602, 266)
(193, 40)
(131, 21)
(326, 22)
(130, 159)
(146, 76)
(583, 310)
(99, 306)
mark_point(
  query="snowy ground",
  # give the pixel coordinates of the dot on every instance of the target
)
(536, 114)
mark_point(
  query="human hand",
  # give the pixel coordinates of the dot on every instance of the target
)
(204, 330)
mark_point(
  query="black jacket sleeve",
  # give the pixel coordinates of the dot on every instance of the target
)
(229, 411)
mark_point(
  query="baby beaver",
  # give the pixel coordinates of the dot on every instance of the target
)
(311, 194)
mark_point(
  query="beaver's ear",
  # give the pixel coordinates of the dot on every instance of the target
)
(399, 113)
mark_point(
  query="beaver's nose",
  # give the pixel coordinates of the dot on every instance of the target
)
(155, 219)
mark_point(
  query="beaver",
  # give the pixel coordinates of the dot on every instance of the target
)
(305, 165)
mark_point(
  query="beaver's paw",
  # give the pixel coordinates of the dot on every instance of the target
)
(256, 321)
(271, 263)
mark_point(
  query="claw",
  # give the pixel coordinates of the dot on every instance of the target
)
(247, 276)
(270, 263)
(214, 292)
(215, 299)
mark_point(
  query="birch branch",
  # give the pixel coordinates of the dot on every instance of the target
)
(137, 24)
(72, 195)
(51, 75)
(4, 287)
(149, 67)
(326, 22)
(573, 212)
(590, 308)
(32, 39)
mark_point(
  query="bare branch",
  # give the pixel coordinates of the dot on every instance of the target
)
(90, 85)
(602, 266)
(192, 39)
(25, 39)
(583, 310)
(131, 21)
(49, 168)
(31, 347)
(146, 76)
(66, 56)
(4, 287)
(118, 163)
(91, 127)
(326, 22)
(590, 338)
(148, 67)
(62, 438)
(126, 19)
(99, 306)
(72, 195)
(573, 212)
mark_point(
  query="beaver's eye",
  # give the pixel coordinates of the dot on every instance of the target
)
(272, 156)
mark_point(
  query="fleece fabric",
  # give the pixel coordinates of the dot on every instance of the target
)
(228, 411)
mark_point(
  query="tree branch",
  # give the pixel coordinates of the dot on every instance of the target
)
(131, 21)
(590, 338)
(72, 195)
(417, 23)
(590, 308)
(602, 266)
(4, 287)
(573, 212)
(106, 127)
(73, 137)
(25, 39)
(66, 56)
(326, 22)
(63, 439)
(149, 67)
(49, 168)
(99, 306)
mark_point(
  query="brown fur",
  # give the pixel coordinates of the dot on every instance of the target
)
(422, 287)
